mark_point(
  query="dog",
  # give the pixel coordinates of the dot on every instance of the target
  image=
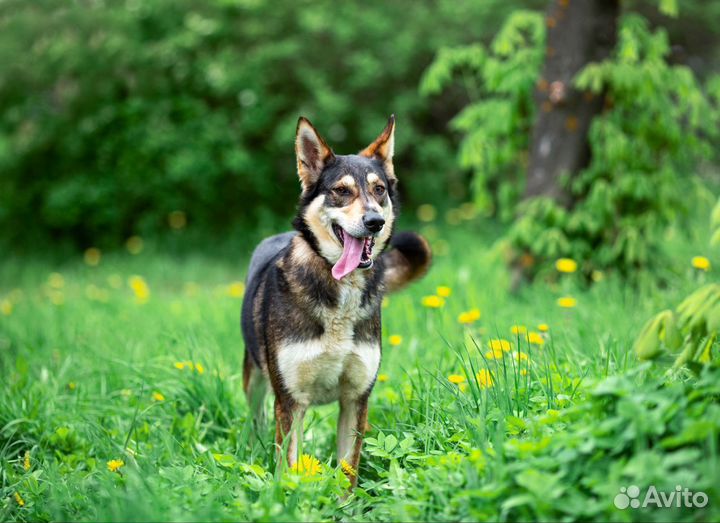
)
(311, 316)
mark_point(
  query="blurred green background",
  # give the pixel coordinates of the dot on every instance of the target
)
(123, 118)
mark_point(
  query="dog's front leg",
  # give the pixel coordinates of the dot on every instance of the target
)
(351, 429)
(289, 418)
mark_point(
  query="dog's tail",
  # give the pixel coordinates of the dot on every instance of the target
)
(408, 259)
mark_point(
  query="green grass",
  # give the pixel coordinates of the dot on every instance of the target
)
(556, 441)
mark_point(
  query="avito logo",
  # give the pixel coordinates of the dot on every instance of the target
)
(680, 497)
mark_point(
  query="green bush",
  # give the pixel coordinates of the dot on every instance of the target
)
(644, 149)
(688, 335)
(114, 114)
(496, 124)
(658, 125)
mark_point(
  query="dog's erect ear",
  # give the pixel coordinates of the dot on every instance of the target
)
(312, 153)
(383, 147)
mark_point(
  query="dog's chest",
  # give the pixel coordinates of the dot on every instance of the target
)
(333, 366)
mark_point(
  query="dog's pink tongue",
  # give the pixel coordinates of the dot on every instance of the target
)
(350, 259)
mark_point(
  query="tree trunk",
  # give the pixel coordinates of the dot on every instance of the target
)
(579, 32)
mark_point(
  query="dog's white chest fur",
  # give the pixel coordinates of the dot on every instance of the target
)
(332, 367)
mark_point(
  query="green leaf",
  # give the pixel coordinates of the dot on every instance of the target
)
(669, 8)
(225, 460)
(390, 443)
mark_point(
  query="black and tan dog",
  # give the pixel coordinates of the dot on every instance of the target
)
(311, 315)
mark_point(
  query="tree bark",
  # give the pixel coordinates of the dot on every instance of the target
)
(579, 32)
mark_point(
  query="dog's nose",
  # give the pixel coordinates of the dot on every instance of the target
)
(373, 221)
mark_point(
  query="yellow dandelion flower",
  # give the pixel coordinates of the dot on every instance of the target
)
(91, 291)
(498, 344)
(236, 289)
(566, 265)
(115, 465)
(19, 500)
(140, 288)
(26, 461)
(443, 291)
(494, 354)
(426, 212)
(544, 327)
(518, 329)
(453, 217)
(92, 256)
(180, 365)
(433, 302)
(519, 356)
(157, 396)
(177, 220)
(468, 210)
(115, 281)
(395, 340)
(347, 468)
(134, 245)
(701, 263)
(72, 385)
(567, 302)
(191, 289)
(6, 307)
(199, 368)
(382, 378)
(57, 298)
(535, 338)
(440, 247)
(523, 372)
(56, 280)
(307, 465)
(95, 293)
(484, 378)
(456, 378)
(468, 317)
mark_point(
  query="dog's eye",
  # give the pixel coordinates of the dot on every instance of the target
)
(342, 191)
(379, 190)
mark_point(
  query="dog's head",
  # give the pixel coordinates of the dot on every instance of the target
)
(346, 208)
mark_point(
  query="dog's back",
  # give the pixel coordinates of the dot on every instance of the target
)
(266, 250)
(264, 255)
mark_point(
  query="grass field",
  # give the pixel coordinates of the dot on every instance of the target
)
(121, 397)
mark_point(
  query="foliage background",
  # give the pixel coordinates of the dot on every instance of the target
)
(114, 114)
(656, 131)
